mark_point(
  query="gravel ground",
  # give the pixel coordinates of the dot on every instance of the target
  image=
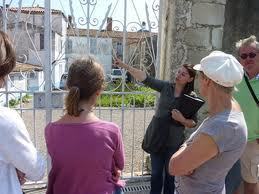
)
(133, 123)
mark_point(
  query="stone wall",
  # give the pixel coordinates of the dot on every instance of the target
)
(197, 29)
(191, 29)
(241, 21)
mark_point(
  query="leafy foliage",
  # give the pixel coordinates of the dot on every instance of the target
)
(14, 102)
(144, 96)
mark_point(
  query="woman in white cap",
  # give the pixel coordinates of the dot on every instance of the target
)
(203, 161)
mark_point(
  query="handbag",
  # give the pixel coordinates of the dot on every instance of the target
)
(156, 135)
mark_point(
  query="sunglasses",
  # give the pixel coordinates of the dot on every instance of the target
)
(250, 55)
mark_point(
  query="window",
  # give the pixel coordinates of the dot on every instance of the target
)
(93, 46)
(32, 75)
(119, 49)
(41, 41)
(69, 46)
(104, 46)
(63, 80)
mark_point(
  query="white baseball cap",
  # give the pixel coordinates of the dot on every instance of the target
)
(222, 68)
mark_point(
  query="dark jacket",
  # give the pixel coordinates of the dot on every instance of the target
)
(166, 103)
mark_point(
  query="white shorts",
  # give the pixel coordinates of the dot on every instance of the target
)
(250, 162)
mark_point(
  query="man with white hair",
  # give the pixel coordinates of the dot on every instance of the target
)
(202, 163)
(248, 98)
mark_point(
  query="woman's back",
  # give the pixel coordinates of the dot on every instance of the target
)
(83, 156)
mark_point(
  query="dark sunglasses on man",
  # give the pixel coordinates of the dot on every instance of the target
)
(250, 55)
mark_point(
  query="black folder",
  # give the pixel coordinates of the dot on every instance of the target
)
(190, 105)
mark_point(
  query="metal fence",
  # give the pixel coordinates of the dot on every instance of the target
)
(49, 35)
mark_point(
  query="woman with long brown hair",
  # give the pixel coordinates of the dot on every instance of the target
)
(86, 152)
(171, 93)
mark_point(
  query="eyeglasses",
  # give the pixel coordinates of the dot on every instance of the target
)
(250, 55)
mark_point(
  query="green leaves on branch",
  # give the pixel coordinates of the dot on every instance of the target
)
(144, 97)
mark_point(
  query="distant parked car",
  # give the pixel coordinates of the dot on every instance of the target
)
(63, 81)
(116, 74)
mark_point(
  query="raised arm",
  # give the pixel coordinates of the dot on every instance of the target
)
(136, 73)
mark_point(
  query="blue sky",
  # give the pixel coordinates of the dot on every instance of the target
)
(136, 10)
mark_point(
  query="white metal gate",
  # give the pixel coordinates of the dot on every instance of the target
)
(48, 35)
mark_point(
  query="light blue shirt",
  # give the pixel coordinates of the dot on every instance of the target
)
(228, 130)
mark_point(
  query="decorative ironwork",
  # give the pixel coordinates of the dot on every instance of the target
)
(103, 34)
(87, 18)
(90, 2)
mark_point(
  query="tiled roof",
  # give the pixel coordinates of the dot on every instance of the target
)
(23, 67)
(33, 10)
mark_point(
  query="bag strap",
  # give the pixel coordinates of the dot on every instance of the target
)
(251, 90)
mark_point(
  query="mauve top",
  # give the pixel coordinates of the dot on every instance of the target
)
(83, 157)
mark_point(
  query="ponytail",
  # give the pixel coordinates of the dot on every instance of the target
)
(72, 101)
(85, 78)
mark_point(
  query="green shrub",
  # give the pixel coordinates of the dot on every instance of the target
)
(26, 98)
(13, 103)
(137, 100)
